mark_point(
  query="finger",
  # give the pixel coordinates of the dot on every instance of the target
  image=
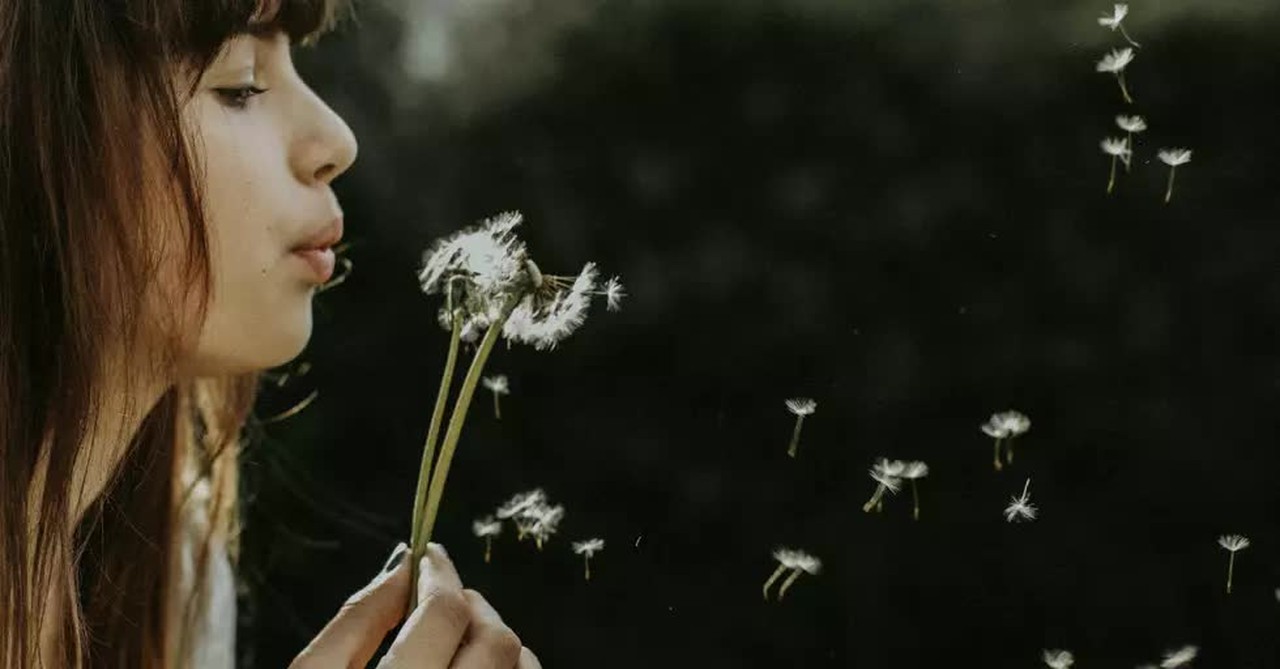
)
(354, 634)
(490, 643)
(430, 637)
(528, 660)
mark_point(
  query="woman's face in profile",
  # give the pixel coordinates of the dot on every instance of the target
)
(268, 149)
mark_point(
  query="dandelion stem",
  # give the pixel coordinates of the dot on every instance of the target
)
(1127, 37)
(1129, 143)
(417, 542)
(795, 437)
(999, 440)
(440, 473)
(767, 584)
(1111, 182)
(587, 559)
(1231, 565)
(1008, 451)
(488, 549)
(1168, 193)
(875, 499)
(1123, 89)
(915, 497)
(497, 410)
(795, 573)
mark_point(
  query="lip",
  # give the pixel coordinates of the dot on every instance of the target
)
(323, 238)
(321, 262)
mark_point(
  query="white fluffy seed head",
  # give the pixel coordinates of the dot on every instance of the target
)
(1131, 123)
(791, 558)
(1059, 659)
(487, 527)
(802, 406)
(497, 384)
(1233, 542)
(1179, 658)
(521, 502)
(588, 547)
(1114, 19)
(1116, 61)
(1174, 157)
(915, 470)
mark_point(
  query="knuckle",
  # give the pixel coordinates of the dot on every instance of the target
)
(449, 604)
(504, 644)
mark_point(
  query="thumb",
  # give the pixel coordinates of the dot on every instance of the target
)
(354, 634)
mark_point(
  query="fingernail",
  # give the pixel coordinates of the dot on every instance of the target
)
(397, 556)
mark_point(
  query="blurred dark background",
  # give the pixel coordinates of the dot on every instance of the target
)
(897, 208)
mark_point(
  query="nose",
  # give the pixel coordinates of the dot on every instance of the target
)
(325, 146)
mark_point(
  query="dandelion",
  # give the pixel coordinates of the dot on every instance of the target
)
(795, 561)
(538, 520)
(1232, 543)
(1132, 125)
(1179, 658)
(1059, 659)
(801, 407)
(497, 385)
(613, 294)
(1004, 427)
(487, 528)
(915, 470)
(490, 285)
(587, 549)
(521, 502)
(888, 475)
(1118, 149)
(1115, 63)
(1021, 508)
(1116, 22)
(1173, 158)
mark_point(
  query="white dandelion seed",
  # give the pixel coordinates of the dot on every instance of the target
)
(587, 549)
(1004, 427)
(1179, 658)
(914, 471)
(800, 407)
(498, 385)
(1232, 543)
(1173, 158)
(545, 521)
(521, 502)
(1118, 149)
(1132, 125)
(1115, 63)
(487, 528)
(1058, 659)
(888, 475)
(797, 562)
(1115, 21)
(1021, 508)
(613, 293)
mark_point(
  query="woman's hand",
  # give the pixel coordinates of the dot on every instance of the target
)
(451, 628)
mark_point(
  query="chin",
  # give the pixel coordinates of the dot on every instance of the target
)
(267, 348)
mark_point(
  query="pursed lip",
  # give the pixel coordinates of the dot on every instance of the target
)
(322, 238)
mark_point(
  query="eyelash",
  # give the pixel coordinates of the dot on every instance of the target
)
(238, 97)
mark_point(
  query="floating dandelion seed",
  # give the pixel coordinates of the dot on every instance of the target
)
(888, 475)
(795, 561)
(1118, 149)
(521, 502)
(1173, 158)
(1004, 427)
(587, 549)
(1059, 659)
(1179, 658)
(1115, 21)
(1115, 63)
(1131, 125)
(487, 528)
(613, 294)
(497, 385)
(801, 407)
(915, 470)
(1021, 508)
(1232, 543)
(543, 521)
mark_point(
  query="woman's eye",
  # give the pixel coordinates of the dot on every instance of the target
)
(238, 97)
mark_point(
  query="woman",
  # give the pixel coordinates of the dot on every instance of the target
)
(165, 218)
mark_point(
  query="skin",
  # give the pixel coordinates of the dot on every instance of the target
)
(268, 160)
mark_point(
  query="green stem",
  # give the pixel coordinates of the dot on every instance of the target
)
(440, 473)
(418, 544)
(795, 437)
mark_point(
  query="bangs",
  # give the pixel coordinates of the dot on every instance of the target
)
(198, 28)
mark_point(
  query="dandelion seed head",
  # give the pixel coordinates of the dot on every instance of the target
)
(1233, 542)
(613, 294)
(1174, 157)
(1059, 659)
(1131, 123)
(1020, 507)
(547, 316)
(888, 473)
(1116, 146)
(588, 547)
(497, 384)
(1113, 20)
(1179, 658)
(1006, 424)
(487, 527)
(520, 502)
(484, 258)
(1116, 61)
(915, 470)
(802, 406)
(797, 559)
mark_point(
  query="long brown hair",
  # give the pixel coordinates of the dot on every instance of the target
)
(94, 163)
